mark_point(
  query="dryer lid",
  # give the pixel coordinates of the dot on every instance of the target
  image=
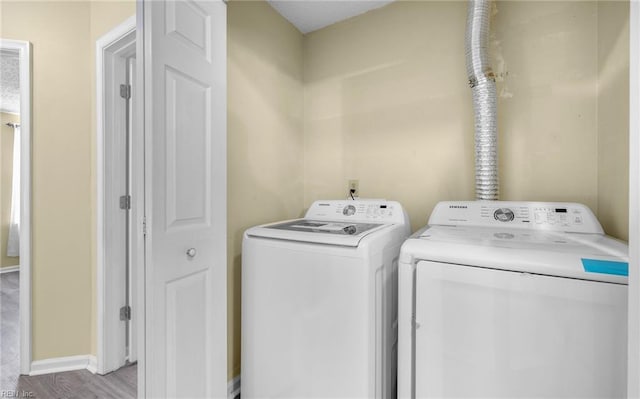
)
(317, 231)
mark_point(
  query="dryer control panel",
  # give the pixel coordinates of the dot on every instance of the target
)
(554, 216)
(373, 211)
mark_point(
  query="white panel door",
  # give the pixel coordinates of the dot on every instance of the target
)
(185, 186)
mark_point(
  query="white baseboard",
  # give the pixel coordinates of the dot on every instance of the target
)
(9, 269)
(93, 364)
(233, 389)
(60, 364)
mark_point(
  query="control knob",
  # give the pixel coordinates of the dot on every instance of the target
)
(349, 210)
(503, 215)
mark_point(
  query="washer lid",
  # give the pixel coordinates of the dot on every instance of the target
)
(317, 231)
(595, 257)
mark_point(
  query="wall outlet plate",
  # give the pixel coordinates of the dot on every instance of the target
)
(353, 185)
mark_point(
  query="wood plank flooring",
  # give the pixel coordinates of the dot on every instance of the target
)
(9, 329)
(81, 384)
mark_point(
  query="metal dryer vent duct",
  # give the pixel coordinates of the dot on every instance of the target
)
(483, 87)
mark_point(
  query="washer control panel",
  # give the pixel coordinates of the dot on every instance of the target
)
(557, 216)
(380, 211)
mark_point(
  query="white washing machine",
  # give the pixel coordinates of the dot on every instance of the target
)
(512, 300)
(319, 302)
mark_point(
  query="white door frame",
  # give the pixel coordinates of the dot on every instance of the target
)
(138, 206)
(111, 48)
(24, 53)
(633, 369)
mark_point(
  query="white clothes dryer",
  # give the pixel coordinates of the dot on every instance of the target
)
(319, 302)
(512, 300)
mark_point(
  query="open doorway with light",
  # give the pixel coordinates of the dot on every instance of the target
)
(15, 208)
(118, 194)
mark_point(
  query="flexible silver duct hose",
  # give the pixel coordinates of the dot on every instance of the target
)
(483, 86)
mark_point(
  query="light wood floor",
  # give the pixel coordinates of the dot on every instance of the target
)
(80, 384)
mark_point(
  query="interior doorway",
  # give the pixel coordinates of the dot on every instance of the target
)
(116, 197)
(15, 108)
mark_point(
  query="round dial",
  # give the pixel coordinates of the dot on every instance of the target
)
(349, 210)
(503, 215)
(350, 230)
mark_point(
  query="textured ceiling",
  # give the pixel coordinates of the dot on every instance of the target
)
(310, 15)
(9, 82)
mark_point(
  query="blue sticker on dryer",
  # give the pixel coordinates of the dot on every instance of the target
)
(605, 267)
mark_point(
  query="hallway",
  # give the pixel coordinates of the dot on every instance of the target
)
(79, 384)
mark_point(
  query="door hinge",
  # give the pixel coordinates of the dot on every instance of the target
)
(144, 227)
(125, 91)
(125, 202)
(125, 313)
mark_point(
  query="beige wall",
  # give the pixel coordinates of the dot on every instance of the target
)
(387, 102)
(61, 206)
(6, 179)
(265, 157)
(62, 35)
(613, 117)
(546, 57)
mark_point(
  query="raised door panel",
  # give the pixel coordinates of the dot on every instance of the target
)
(188, 130)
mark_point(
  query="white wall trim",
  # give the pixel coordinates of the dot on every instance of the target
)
(138, 207)
(104, 329)
(10, 269)
(233, 389)
(24, 50)
(60, 364)
(93, 364)
(633, 367)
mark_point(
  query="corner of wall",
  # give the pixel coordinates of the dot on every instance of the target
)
(265, 143)
(613, 117)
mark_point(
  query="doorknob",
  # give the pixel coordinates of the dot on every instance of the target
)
(191, 252)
